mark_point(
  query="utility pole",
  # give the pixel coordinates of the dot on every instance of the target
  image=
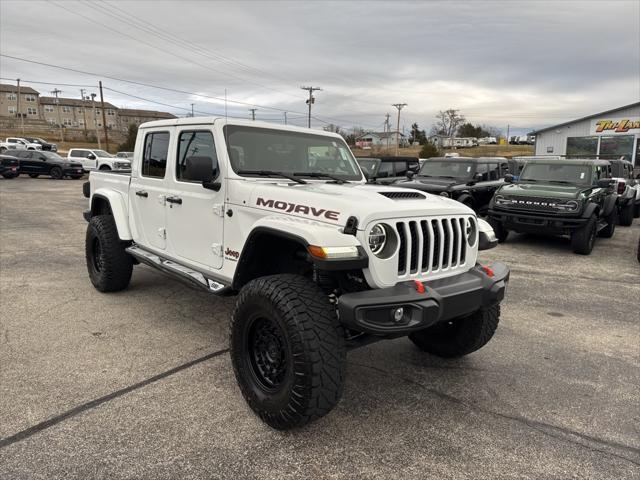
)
(253, 113)
(95, 119)
(56, 92)
(18, 108)
(192, 115)
(104, 117)
(285, 118)
(84, 113)
(399, 106)
(311, 100)
(387, 128)
(507, 134)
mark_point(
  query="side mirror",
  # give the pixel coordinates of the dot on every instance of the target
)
(605, 183)
(410, 174)
(508, 178)
(486, 237)
(43, 158)
(477, 177)
(91, 156)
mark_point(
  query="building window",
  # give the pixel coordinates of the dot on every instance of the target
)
(81, 122)
(67, 122)
(613, 147)
(52, 121)
(66, 109)
(12, 96)
(12, 110)
(581, 146)
(32, 111)
(79, 109)
(48, 108)
(30, 98)
(111, 113)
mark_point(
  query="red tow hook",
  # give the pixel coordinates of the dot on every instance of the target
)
(420, 288)
(488, 270)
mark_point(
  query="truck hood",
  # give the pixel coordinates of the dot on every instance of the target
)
(543, 190)
(335, 203)
(431, 184)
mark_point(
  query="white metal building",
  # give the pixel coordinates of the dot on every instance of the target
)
(611, 134)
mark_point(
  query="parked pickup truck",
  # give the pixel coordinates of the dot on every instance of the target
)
(15, 143)
(558, 197)
(628, 190)
(92, 159)
(320, 260)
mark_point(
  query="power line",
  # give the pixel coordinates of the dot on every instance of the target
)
(50, 83)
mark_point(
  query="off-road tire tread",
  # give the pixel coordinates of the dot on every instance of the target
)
(580, 238)
(626, 215)
(472, 333)
(118, 264)
(315, 335)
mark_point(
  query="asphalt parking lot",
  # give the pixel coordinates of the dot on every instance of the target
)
(139, 384)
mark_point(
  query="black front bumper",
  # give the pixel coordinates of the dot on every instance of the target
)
(536, 223)
(72, 171)
(372, 311)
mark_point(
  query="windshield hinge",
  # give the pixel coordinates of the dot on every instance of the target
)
(217, 249)
(218, 209)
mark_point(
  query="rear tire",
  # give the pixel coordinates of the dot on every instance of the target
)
(498, 228)
(56, 173)
(459, 337)
(636, 210)
(34, 175)
(109, 265)
(288, 350)
(626, 215)
(9, 176)
(105, 167)
(583, 239)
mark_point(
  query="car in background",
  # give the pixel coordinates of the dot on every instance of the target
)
(628, 190)
(469, 180)
(9, 166)
(558, 197)
(387, 170)
(36, 163)
(128, 155)
(5, 147)
(23, 144)
(94, 159)
(51, 147)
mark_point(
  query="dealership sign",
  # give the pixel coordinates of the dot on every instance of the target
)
(615, 125)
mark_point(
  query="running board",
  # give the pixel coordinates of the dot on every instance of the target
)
(178, 271)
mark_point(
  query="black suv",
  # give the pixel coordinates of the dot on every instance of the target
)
(558, 197)
(36, 163)
(51, 147)
(469, 180)
(387, 170)
(9, 166)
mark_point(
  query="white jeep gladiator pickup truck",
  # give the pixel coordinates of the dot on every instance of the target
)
(321, 261)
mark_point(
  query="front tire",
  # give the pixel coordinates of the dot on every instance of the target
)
(612, 221)
(459, 337)
(56, 173)
(109, 265)
(105, 167)
(583, 239)
(288, 350)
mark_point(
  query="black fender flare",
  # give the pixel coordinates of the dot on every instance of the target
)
(592, 208)
(466, 196)
(609, 205)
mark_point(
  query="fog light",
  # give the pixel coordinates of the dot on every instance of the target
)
(398, 314)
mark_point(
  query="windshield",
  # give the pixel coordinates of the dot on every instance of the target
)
(447, 168)
(52, 156)
(253, 149)
(547, 172)
(369, 166)
(102, 154)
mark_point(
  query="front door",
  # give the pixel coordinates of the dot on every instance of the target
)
(195, 215)
(147, 192)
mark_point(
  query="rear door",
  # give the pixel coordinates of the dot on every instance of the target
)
(195, 215)
(28, 164)
(80, 155)
(148, 189)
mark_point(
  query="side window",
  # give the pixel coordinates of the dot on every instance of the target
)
(400, 168)
(78, 153)
(483, 169)
(385, 170)
(196, 151)
(494, 171)
(156, 149)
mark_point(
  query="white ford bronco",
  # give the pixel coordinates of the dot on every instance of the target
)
(321, 261)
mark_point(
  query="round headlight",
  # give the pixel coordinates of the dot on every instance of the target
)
(377, 238)
(444, 194)
(471, 232)
(572, 205)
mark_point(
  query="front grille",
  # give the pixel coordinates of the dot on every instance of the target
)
(429, 246)
(403, 195)
(535, 204)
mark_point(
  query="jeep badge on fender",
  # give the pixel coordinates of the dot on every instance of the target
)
(320, 261)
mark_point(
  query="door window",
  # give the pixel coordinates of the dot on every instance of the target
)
(156, 149)
(400, 168)
(385, 170)
(79, 153)
(193, 149)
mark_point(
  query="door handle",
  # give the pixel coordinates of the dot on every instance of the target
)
(177, 200)
(142, 193)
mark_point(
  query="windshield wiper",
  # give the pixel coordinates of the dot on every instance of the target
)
(320, 175)
(271, 173)
(561, 181)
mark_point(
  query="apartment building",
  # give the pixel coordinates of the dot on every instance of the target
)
(128, 116)
(77, 113)
(28, 103)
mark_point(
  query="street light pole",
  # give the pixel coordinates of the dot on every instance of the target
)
(311, 100)
(399, 106)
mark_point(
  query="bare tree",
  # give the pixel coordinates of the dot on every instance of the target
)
(333, 128)
(448, 121)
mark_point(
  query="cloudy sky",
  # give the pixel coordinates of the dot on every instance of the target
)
(527, 64)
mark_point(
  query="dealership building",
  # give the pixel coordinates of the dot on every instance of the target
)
(611, 134)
